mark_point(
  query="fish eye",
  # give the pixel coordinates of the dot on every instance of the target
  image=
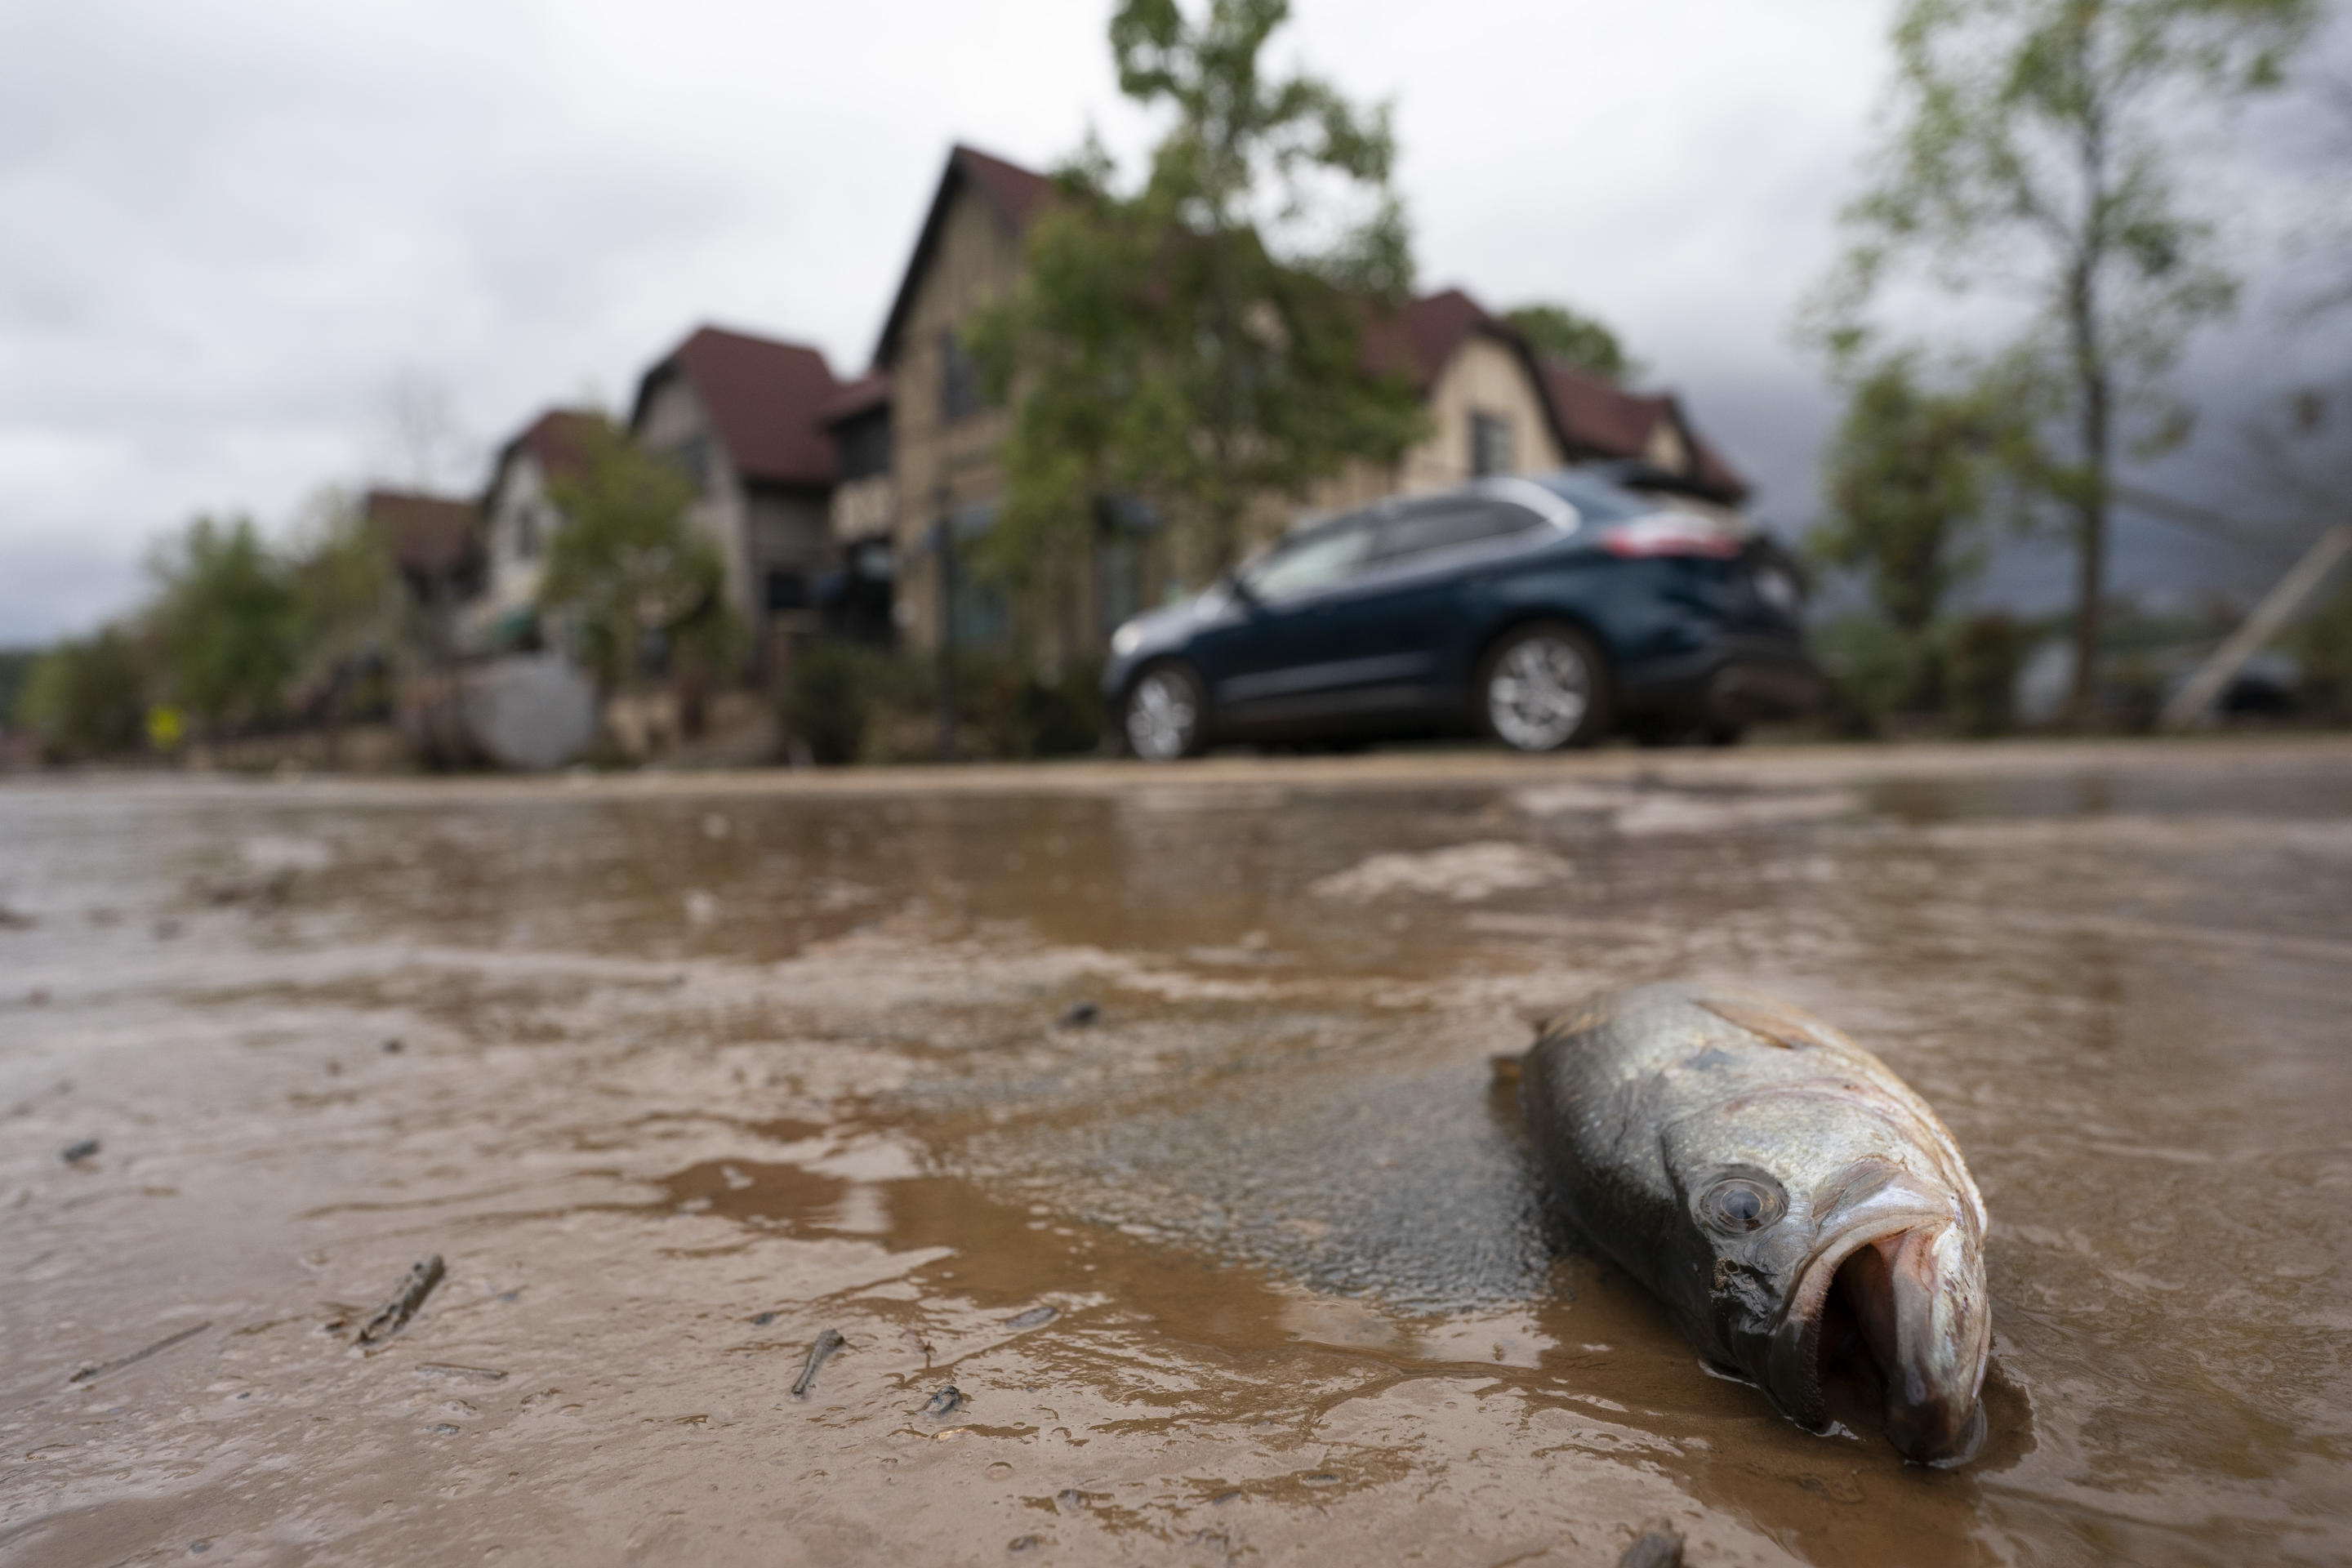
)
(1736, 1205)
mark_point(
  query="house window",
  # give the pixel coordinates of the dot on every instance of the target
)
(865, 445)
(693, 456)
(1490, 446)
(959, 379)
(526, 533)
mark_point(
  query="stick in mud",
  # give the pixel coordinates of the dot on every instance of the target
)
(402, 1306)
(90, 1373)
(826, 1344)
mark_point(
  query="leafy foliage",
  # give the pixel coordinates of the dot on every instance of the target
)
(1911, 482)
(87, 697)
(626, 569)
(1574, 339)
(348, 609)
(224, 623)
(1197, 343)
(2030, 152)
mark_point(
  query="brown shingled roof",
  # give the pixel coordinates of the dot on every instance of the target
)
(862, 395)
(762, 398)
(1418, 337)
(559, 439)
(1018, 192)
(426, 535)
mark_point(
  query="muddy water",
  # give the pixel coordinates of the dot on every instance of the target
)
(1250, 1266)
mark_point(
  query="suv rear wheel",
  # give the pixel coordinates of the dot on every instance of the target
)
(1544, 687)
(1165, 714)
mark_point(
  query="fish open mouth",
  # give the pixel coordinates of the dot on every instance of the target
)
(1894, 1308)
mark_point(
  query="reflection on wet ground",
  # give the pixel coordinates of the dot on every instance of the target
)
(1153, 1115)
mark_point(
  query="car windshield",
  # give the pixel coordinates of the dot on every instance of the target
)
(1596, 500)
(1312, 561)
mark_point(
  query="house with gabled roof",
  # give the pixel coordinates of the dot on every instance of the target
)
(743, 417)
(520, 518)
(929, 474)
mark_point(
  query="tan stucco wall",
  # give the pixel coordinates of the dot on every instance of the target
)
(519, 491)
(1484, 376)
(939, 466)
(674, 417)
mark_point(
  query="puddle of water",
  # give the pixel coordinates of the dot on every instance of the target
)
(1244, 1259)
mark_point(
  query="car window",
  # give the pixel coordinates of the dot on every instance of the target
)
(1432, 526)
(1314, 561)
(1596, 500)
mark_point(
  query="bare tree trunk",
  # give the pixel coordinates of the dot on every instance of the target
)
(2095, 387)
(2091, 514)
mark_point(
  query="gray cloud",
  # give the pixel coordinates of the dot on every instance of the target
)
(234, 229)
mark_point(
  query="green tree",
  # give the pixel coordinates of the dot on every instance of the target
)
(87, 699)
(1911, 481)
(347, 604)
(626, 566)
(224, 619)
(1573, 338)
(1198, 342)
(2030, 148)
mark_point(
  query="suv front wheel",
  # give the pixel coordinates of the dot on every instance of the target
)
(1544, 687)
(1165, 715)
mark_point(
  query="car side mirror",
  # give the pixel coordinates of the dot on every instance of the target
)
(1239, 592)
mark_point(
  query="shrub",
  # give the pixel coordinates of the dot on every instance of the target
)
(1874, 670)
(87, 699)
(1982, 656)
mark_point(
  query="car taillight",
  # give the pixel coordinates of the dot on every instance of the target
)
(1665, 533)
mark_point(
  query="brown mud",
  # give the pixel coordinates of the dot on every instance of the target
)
(1246, 1264)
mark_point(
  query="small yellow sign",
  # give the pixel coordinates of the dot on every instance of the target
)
(164, 727)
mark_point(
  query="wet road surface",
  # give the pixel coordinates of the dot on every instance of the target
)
(1246, 1264)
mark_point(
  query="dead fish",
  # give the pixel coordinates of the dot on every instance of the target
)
(1661, 1547)
(1782, 1191)
(826, 1344)
(945, 1402)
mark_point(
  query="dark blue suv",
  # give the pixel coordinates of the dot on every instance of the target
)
(1545, 611)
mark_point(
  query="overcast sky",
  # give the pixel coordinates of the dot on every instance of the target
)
(239, 236)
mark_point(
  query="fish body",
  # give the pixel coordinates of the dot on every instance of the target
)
(1781, 1190)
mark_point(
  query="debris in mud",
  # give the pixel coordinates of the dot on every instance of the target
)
(469, 1373)
(1071, 1498)
(76, 1151)
(1463, 873)
(1034, 1318)
(826, 1345)
(259, 894)
(761, 1319)
(1084, 1014)
(91, 1373)
(393, 1046)
(1660, 1547)
(11, 920)
(945, 1402)
(1025, 1543)
(393, 1314)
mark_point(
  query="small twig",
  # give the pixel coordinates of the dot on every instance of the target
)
(389, 1317)
(90, 1373)
(826, 1344)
